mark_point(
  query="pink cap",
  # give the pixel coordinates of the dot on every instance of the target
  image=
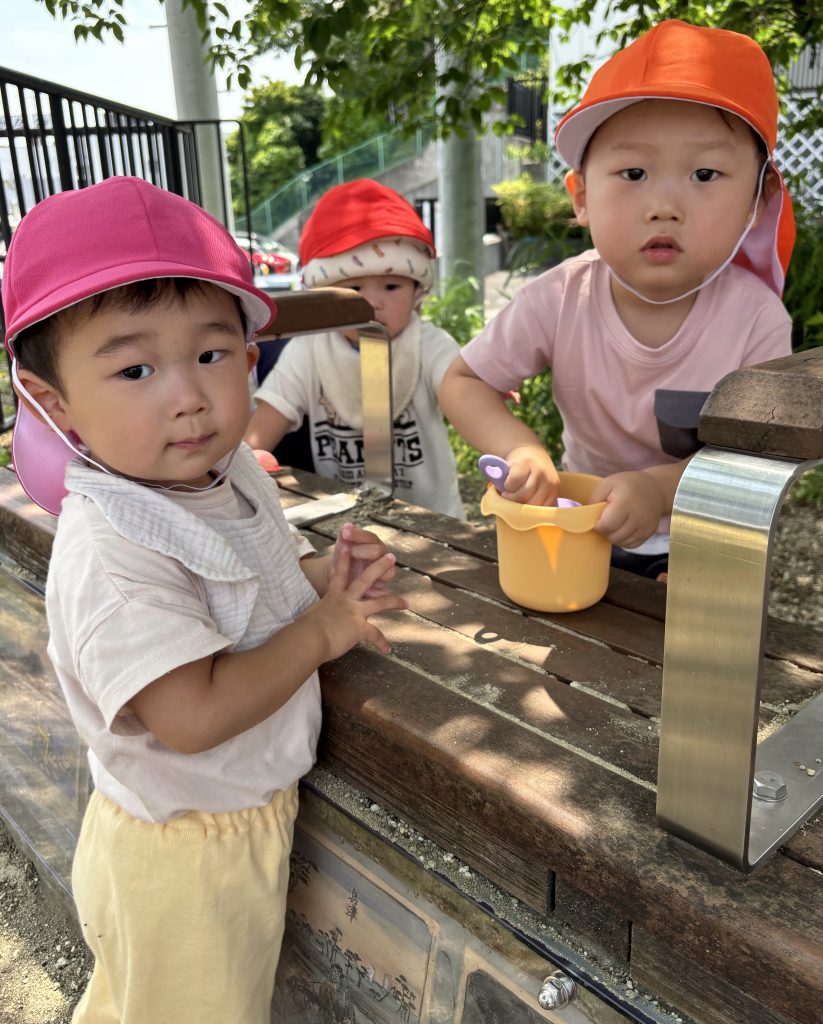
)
(79, 243)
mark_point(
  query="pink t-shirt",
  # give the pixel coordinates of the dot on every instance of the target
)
(626, 406)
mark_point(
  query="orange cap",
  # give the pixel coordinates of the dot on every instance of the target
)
(723, 69)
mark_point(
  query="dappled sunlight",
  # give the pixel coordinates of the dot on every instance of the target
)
(540, 705)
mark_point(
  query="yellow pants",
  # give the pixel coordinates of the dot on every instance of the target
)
(185, 918)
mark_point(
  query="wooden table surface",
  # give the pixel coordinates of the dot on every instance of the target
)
(526, 743)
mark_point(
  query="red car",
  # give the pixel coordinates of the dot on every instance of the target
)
(273, 266)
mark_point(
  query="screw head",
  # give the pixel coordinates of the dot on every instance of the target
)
(769, 786)
(558, 990)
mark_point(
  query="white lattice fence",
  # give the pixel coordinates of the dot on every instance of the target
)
(801, 155)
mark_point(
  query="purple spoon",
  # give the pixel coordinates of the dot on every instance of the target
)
(497, 469)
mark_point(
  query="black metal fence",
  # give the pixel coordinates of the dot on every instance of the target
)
(53, 139)
(526, 98)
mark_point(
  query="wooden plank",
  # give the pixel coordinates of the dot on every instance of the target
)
(321, 309)
(626, 590)
(487, 788)
(800, 644)
(26, 531)
(774, 408)
(626, 632)
(692, 989)
(806, 846)
(609, 734)
(568, 656)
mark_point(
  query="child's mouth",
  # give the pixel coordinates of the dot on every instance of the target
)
(661, 250)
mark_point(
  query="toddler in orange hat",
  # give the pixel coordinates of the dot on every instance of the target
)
(363, 235)
(670, 150)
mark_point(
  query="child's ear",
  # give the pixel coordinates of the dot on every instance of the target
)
(47, 397)
(576, 187)
(252, 355)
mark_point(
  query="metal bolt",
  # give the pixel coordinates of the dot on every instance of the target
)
(557, 991)
(769, 786)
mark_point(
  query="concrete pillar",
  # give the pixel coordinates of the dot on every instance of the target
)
(195, 93)
(462, 207)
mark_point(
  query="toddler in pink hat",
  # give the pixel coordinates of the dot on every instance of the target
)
(672, 173)
(187, 620)
(364, 236)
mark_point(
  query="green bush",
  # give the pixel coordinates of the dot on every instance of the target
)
(803, 296)
(534, 208)
(455, 308)
(539, 222)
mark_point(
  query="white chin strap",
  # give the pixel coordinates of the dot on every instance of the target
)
(80, 449)
(714, 273)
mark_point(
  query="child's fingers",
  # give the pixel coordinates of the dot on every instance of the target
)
(374, 637)
(370, 575)
(340, 566)
(384, 603)
(367, 552)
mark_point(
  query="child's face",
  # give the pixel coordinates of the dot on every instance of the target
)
(667, 189)
(391, 297)
(161, 394)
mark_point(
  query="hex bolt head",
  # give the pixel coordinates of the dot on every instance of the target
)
(769, 786)
(557, 991)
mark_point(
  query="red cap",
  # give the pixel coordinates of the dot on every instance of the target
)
(359, 211)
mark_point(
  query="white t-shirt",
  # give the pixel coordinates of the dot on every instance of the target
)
(143, 581)
(626, 406)
(425, 472)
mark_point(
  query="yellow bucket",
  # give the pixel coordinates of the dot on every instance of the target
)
(551, 559)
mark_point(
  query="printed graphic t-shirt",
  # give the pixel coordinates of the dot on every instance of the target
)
(425, 472)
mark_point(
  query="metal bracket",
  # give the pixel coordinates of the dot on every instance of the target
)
(722, 538)
(342, 309)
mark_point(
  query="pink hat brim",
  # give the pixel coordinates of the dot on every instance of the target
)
(40, 458)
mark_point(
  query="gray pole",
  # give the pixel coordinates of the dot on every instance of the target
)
(462, 207)
(460, 189)
(195, 92)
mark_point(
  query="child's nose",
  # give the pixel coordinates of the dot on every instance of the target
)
(188, 397)
(664, 205)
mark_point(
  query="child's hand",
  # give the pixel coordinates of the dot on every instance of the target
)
(635, 504)
(364, 548)
(532, 478)
(342, 614)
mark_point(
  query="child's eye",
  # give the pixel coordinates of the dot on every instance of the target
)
(704, 174)
(214, 355)
(137, 372)
(633, 174)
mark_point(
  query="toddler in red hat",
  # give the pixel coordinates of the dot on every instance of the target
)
(187, 620)
(364, 236)
(670, 150)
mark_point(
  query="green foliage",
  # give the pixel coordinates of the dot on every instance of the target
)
(538, 411)
(803, 296)
(539, 222)
(809, 488)
(454, 308)
(530, 207)
(281, 129)
(344, 125)
(457, 52)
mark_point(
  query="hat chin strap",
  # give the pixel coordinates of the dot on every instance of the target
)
(714, 273)
(83, 452)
